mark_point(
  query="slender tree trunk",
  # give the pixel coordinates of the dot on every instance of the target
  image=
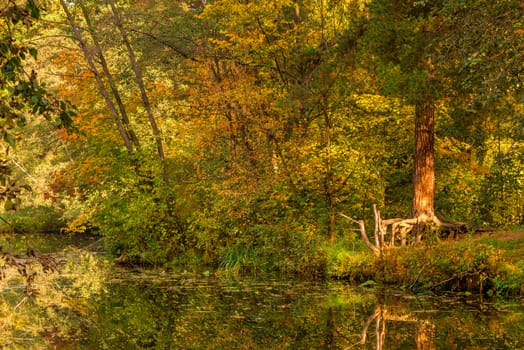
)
(101, 87)
(141, 86)
(424, 172)
(109, 77)
(328, 185)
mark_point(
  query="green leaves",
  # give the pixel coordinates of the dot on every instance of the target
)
(21, 92)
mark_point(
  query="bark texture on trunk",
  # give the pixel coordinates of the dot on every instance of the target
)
(424, 162)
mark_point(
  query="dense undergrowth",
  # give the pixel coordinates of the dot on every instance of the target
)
(490, 264)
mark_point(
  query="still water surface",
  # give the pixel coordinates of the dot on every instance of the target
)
(91, 304)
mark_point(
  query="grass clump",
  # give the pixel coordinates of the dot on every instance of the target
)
(510, 280)
(353, 266)
(238, 259)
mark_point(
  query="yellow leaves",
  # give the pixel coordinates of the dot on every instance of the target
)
(247, 28)
(460, 152)
(91, 170)
(76, 225)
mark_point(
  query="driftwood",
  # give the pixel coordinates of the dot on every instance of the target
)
(398, 229)
(363, 234)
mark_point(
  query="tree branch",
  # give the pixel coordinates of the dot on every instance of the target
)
(363, 234)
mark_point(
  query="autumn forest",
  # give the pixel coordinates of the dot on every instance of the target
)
(304, 136)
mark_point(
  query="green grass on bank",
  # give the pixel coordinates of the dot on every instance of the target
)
(491, 264)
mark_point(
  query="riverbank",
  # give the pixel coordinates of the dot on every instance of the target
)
(491, 264)
(488, 263)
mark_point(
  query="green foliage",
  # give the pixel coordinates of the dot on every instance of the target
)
(33, 219)
(247, 233)
(239, 259)
(141, 222)
(276, 115)
(21, 94)
(466, 266)
(510, 282)
(350, 265)
(502, 189)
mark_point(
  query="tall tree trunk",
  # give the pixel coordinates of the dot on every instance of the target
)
(424, 172)
(145, 99)
(109, 77)
(101, 87)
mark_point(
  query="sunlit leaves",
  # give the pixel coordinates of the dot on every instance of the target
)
(271, 122)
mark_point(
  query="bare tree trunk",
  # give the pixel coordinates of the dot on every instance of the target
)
(112, 85)
(424, 178)
(145, 99)
(424, 168)
(101, 87)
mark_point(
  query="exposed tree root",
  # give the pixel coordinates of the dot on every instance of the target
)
(398, 231)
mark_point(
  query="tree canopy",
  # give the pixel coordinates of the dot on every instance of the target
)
(234, 131)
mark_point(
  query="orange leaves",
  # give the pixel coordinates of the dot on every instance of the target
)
(59, 182)
(91, 171)
(66, 136)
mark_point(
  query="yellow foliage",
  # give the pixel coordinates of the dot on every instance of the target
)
(77, 225)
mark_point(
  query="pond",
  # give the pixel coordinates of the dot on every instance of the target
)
(87, 303)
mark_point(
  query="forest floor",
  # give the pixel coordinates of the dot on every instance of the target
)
(502, 235)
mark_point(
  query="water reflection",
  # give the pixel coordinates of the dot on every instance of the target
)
(424, 328)
(92, 305)
(401, 321)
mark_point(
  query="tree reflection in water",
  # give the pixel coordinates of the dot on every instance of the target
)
(92, 305)
(425, 329)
